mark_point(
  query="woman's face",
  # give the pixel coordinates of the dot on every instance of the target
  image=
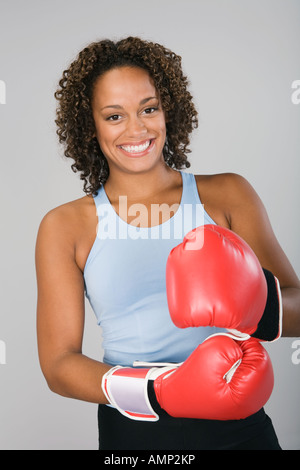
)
(129, 119)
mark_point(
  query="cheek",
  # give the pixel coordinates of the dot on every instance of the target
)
(164, 122)
(105, 136)
(163, 129)
(160, 125)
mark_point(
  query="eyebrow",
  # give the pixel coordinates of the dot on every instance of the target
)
(117, 106)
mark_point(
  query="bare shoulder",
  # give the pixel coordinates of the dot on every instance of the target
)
(229, 185)
(68, 228)
(66, 211)
(224, 195)
(231, 196)
(62, 220)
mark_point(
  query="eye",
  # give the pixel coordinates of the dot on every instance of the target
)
(114, 117)
(150, 110)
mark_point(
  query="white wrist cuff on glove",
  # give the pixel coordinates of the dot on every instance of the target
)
(127, 390)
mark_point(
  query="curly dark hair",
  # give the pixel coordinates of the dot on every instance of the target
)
(74, 119)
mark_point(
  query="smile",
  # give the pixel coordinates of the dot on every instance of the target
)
(134, 149)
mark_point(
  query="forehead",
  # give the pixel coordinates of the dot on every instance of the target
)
(119, 84)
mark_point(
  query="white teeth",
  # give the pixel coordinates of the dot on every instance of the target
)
(136, 148)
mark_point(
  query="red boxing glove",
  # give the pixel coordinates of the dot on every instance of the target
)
(213, 278)
(222, 379)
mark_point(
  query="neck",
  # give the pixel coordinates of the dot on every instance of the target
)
(137, 186)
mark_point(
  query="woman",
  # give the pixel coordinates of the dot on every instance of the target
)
(125, 116)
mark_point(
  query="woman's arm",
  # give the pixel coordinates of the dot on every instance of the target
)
(60, 313)
(248, 218)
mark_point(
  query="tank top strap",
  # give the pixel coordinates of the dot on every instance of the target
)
(190, 197)
(100, 197)
(190, 193)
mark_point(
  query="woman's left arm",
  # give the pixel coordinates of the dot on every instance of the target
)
(249, 219)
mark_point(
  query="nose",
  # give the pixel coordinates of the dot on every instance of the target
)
(136, 127)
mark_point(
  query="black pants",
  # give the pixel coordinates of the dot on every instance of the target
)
(116, 432)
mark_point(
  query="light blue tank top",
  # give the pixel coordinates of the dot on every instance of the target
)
(125, 282)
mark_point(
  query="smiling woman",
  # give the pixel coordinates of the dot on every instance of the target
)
(165, 93)
(139, 128)
(125, 116)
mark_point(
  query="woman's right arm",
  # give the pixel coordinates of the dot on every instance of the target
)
(60, 313)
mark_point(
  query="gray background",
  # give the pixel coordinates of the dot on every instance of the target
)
(242, 57)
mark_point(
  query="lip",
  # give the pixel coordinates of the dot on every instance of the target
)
(137, 154)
